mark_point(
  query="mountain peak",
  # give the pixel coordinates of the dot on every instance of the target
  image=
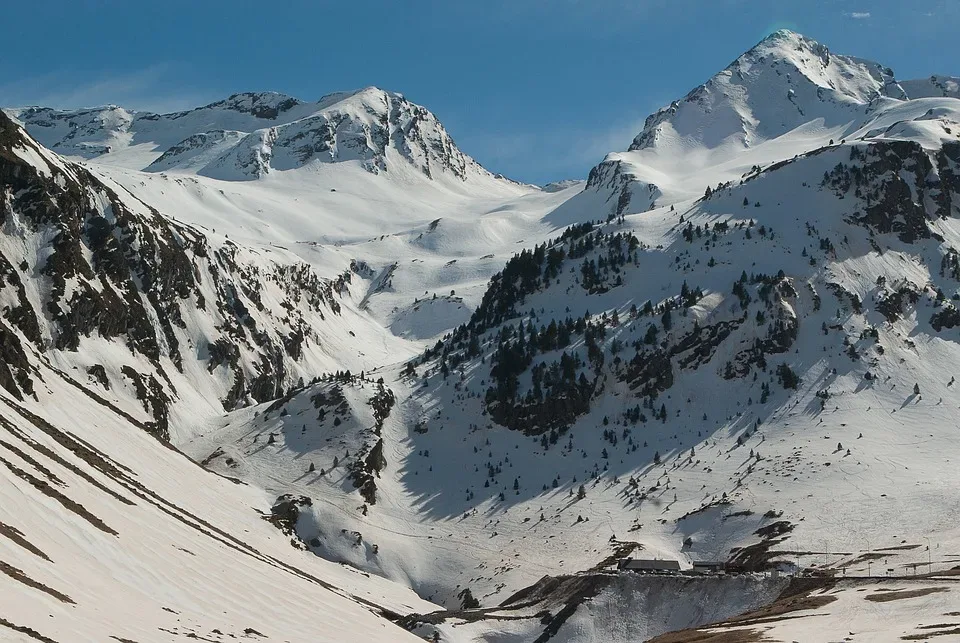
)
(367, 125)
(784, 35)
(249, 134)
(783, 81)
(787, 45)
(779, 38)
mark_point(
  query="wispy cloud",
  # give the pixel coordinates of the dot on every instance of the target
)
(859, 15)
(144, 89)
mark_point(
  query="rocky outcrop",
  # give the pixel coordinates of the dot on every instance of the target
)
(113, 270)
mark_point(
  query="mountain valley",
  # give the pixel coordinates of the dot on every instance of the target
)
(288, 370)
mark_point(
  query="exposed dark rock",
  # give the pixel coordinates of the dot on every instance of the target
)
(286, 512)
(100, 375)
(370, 460)
(131, 276)
(947, 317)
(892, 305)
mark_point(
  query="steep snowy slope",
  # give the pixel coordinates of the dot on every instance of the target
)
(727, 378)
(248, 135)
(786, 96)
(122, 328)
(787, 80)
(108, 534)
(363, 183)
(400, 236)
(172, 323)
(735, 342)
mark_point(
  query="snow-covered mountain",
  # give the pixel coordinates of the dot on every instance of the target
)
(786, 96)
(112, 316)
(733, 342)
(786, 81)
(153, 310)
(248, 135)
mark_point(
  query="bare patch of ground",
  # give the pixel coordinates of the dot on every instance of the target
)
(25, 630)
(895, 595)
(17, 536)
(20, 577)
(923, 636)
(700, 636)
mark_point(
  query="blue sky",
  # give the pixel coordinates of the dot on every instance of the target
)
(536, 89)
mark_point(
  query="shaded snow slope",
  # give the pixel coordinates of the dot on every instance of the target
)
(615, 608)
(106, 533)
(935, 86)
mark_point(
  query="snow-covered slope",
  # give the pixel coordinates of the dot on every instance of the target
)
(786, 96)
(108, 534)
(933, 87)
(358, 179)
(734, 342)
(249, 135)
(786, 81)
(708, 406)
(167, 320)
(122, 328)
(713, 423)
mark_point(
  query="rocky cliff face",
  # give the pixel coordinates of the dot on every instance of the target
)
(84, 266)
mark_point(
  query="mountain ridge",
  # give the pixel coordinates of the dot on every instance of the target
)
(356, 125)
(734, 342)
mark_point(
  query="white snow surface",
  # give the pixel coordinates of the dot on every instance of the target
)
(369, 186)
(108, 533)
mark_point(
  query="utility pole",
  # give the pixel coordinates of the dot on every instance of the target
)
(869, 561)
(929, 562)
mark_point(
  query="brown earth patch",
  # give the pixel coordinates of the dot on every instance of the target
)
(20, 577)
(25, 630)
(700, 636)
(17, 536)
(894, 595)
(923, 636)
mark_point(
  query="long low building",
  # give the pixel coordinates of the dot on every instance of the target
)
(649, 565)
(709, 566)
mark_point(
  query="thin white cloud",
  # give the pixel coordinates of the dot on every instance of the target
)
(860, 15)
(140, 89)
